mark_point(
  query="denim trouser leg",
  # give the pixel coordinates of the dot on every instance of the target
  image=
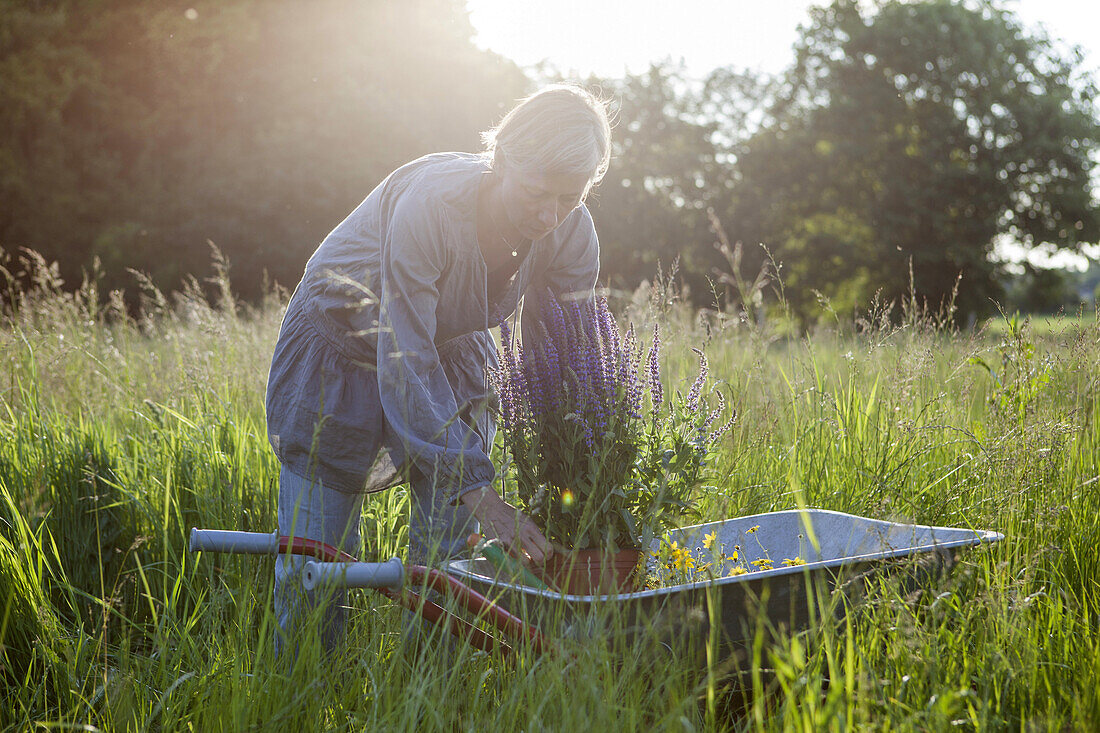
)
(308, 509)
(437, 529)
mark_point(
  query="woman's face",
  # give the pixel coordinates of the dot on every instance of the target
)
(537, 203)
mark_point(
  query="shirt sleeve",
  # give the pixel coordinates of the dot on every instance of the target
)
(423, 419)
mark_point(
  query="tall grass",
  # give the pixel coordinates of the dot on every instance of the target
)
(120, 433)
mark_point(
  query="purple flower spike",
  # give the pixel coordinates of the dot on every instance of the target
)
(716, 434)
(506, 342)
(628, 369)
(713, 414)
(532, 380)
(609, 345)
(697, 387)
(505, 385)
(626, 355)
(596, 388)
(656, 390)
(551, 378)
(559, 334)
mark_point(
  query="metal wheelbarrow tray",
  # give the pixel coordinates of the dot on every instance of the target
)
(838, 550)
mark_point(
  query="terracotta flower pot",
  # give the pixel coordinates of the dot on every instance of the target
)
(593, 572)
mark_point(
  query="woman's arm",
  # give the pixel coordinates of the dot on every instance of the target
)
(417, 397)
(421, 411)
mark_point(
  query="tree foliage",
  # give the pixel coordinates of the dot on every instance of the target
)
(135, 132)
(651, 207)
(916, 133)
(1041, 290)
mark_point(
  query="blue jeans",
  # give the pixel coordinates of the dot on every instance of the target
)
(437, 531)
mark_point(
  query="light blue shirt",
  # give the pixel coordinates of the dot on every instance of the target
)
(383, 352)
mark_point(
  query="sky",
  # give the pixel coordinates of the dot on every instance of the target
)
(612, 37)
(608, 37)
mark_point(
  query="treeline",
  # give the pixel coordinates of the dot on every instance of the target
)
(905, 140)
(138, 131)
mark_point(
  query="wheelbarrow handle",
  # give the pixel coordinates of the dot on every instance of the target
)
(223, 540)
(263, 543)
(388, 574)
(333, 565)
(338, 572)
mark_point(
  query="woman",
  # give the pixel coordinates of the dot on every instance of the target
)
(379, 374)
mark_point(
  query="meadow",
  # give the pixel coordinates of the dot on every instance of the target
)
(120, 433)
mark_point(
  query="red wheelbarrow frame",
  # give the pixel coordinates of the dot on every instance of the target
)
(393, 586)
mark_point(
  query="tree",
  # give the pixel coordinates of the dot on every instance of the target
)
(916, 134)
(651, 207)
(1040, 290)
(135, 132)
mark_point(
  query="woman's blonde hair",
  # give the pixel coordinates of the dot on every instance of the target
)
(562, 128)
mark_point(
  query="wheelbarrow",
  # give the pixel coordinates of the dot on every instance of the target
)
(835, 552)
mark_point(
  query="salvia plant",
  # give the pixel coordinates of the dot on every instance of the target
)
(600, 455)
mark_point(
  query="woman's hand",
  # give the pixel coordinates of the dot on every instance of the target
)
(512, 527)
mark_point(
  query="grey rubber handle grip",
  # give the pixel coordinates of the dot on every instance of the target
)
(388, 574)
(224, 540)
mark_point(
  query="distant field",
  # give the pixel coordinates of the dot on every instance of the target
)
(116, 439)
(1045, 324)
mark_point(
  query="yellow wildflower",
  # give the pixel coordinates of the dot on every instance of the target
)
(753, 528)
(796, 561)
(682, 559)
(735, 571)
(763, 563)
(709, 539)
